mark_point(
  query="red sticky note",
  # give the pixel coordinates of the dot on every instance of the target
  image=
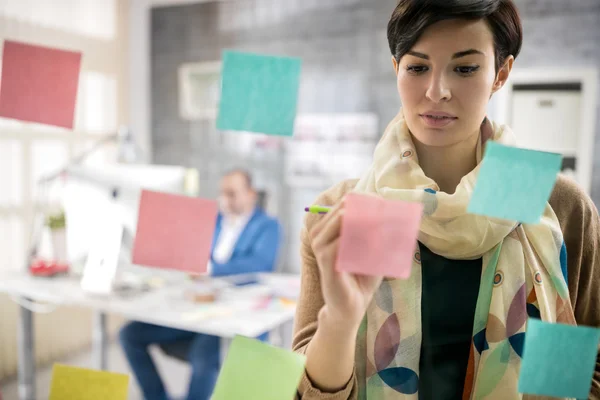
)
(378, 237)
(39, 84)
(174, 231)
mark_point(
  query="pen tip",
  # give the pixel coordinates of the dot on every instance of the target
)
(306, 209)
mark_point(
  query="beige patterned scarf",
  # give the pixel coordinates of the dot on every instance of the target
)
(523, 274)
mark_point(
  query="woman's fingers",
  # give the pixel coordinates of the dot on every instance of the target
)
(328, 258)
(325, 239)
(329, 232)
(326, 218)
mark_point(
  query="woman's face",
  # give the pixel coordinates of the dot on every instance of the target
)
(446, 81)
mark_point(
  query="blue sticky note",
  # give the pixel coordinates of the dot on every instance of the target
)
(514, 183)
(558, 360)
(259, 93)
(254, 370)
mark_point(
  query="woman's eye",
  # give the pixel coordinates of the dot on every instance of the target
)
(416, 69)
(467, 70)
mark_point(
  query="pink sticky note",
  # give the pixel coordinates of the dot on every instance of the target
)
(174, 232)
(378, 237)
(39, 84)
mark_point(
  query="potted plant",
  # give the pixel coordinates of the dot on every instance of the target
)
(57, 223)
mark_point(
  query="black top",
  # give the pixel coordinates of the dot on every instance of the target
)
(450, 289)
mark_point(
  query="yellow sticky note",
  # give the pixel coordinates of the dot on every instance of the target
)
(75, 383)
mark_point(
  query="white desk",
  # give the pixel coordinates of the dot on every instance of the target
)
(237, 313)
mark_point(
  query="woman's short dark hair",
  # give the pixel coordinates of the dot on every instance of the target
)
(412, 17)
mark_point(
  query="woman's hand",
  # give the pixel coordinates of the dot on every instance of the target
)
(346, 295)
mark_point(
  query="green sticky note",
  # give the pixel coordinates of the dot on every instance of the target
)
(259, 93)
(558, 360)
(75, 383)
(257, 371)
(514, 184)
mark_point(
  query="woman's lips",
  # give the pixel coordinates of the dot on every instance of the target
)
(438, 120)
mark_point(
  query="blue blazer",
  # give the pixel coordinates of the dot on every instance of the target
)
(255, 250)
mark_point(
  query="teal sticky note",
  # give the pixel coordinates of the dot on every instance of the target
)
(514, 184)
(254, 370)
(259, 93)
(558, 360)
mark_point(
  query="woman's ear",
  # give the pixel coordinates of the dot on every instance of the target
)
(395, 63)
(503, 74)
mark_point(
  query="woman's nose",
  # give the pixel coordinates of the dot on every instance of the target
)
(438, 89)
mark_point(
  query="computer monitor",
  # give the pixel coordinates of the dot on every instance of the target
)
(91, 192)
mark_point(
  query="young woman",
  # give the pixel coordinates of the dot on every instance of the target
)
(455, 328)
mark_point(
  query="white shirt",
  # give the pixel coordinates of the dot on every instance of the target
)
(231, 229)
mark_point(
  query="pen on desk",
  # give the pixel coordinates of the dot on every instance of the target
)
(317, 209)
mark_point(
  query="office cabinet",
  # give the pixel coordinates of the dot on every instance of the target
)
(553, 110)
(548, 120)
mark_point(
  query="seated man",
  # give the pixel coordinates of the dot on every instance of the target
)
(246, 240)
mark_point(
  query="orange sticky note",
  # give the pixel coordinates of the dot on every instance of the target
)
(39, 84)
(378, 237)
(174, 231)
(86, 384)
